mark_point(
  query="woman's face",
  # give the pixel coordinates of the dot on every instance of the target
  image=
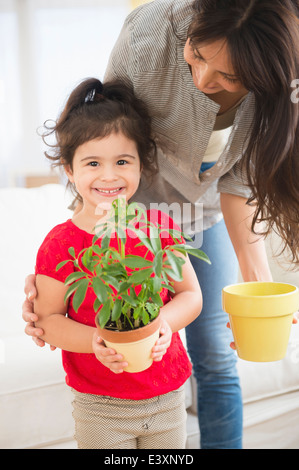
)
(211, 68)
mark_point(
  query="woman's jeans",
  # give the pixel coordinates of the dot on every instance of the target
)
(208, 340)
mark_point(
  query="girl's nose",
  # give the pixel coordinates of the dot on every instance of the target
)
(108, 174)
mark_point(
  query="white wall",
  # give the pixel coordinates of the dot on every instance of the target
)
(47, 47)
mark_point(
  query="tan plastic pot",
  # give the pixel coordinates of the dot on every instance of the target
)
(135, 345)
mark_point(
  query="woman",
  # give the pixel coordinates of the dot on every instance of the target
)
(216, 76)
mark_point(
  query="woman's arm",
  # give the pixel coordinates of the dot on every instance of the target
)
(249, 248)
(59, 330)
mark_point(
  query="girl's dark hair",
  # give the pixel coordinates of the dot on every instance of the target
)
(95, 110)
(263, 40)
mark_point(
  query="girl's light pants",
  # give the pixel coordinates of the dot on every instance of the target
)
(113, 423)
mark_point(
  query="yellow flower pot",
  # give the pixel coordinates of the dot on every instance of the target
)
(260, 315)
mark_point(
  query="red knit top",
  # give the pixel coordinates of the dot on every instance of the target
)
(84, 372)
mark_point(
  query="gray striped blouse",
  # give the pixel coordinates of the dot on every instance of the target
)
(149, 54)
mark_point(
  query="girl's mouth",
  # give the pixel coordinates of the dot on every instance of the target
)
(109, 192)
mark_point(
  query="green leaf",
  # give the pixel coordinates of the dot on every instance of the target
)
(175, 263)
(80, 293)
(110, 280)
(157, 265)
(87, 258)
(135, 209)
(139, 276)
(175, 234)
(123, 287)
(106, 240)
(155, 239)
(169, 287)
(173, 275)
(72, 251)
(145, 316)
(153, 309)
(157, 281)
(194, 252)
(96, 304)
(104, 314)
(99, 270)
(129, 300)
(74, 277)
(116, 310)
(60, 265)
(100, 289)
(144, 239)
(156, 300)
(70, 291)
(117, 271)
(133, 261)
(137, 312)
(97, 250)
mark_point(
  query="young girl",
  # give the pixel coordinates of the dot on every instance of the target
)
(104, 143)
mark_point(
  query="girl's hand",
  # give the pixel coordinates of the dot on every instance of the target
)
(163, 342)
(107, 356)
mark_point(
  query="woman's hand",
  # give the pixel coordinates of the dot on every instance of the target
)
(107, 356)
(163, 342)
(28, 314)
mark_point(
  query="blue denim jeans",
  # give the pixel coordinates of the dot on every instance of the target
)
(220, 409)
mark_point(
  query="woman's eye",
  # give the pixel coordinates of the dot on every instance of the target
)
(231, 80)
(196, 54)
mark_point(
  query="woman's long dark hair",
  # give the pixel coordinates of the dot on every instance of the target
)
(263, 40)
(95, 110)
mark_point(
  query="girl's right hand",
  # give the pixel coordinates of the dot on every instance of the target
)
(107, 356)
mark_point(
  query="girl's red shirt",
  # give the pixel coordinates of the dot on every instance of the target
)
(84, 372)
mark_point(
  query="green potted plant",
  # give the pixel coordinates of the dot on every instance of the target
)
(113, 275)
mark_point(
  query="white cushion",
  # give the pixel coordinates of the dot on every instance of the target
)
(35, 402)
(272, 423)
(261, 380)
(27, 216)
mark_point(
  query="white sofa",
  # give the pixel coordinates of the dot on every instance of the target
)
(35, 403)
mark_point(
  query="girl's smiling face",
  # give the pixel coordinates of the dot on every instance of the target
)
(104, 169)
(211, 68)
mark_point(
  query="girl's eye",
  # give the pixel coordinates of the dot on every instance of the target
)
(122, 162)
(93, 164)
